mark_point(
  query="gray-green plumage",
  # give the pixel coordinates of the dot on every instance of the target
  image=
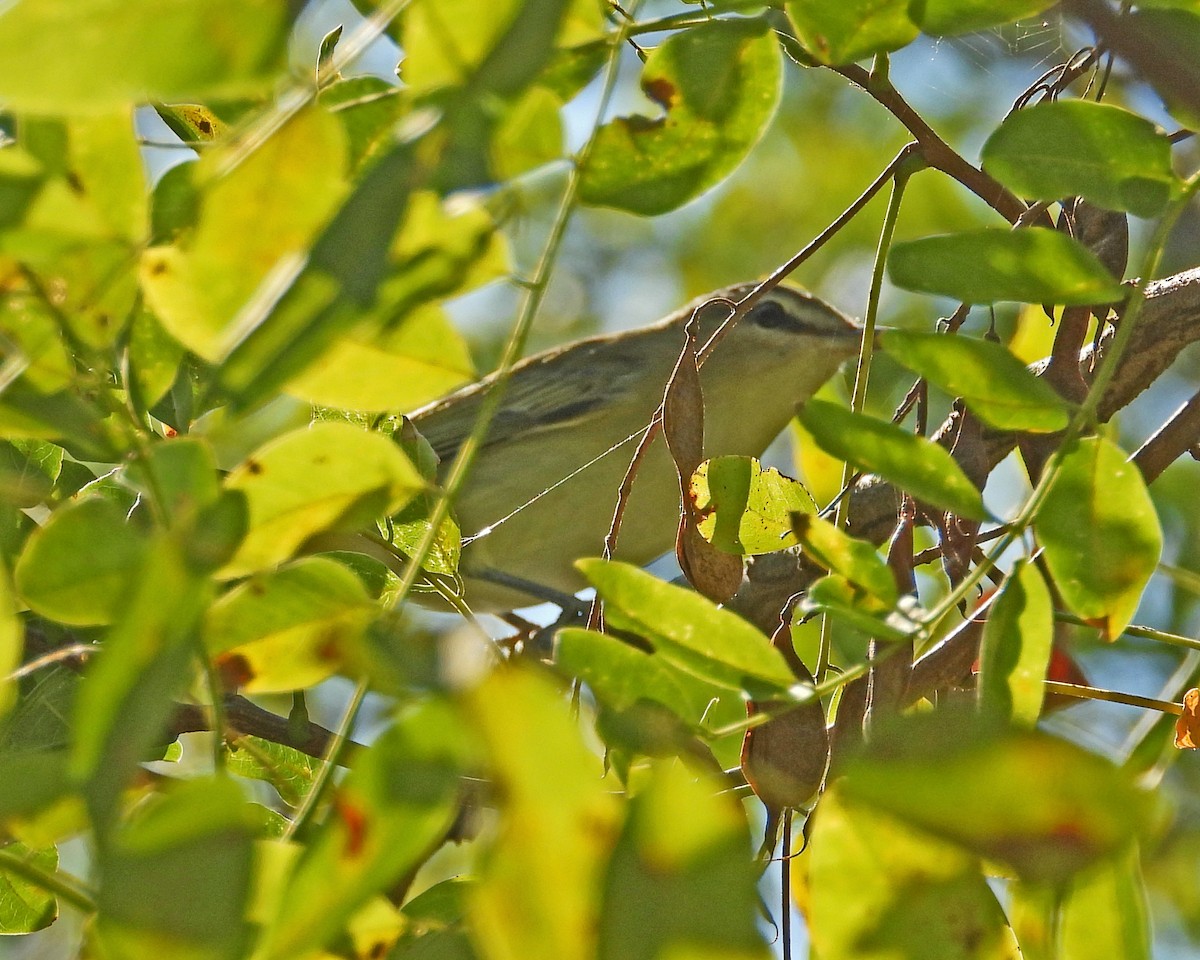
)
(564, 407)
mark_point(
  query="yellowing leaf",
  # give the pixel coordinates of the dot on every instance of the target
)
(536, 895)
(745, 508)
(325, 477)
(255, 226)
(873, 879)
(420, 360)
(286, 629)
(88, 55)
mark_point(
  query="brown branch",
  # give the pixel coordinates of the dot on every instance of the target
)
(247, 718)
(1179, 435)
(936, 151)
(1169, 322)
(1159, 57)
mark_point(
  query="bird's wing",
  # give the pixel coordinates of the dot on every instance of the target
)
(550, 390)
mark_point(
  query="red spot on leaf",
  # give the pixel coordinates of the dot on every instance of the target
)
(234, 671)
(355, 819)
(662, 91)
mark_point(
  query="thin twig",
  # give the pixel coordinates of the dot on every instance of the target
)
(936, 151)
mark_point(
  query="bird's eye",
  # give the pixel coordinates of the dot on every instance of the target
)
(772, 316)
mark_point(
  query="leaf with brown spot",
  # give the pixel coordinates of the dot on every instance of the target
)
(713, 572)
(719, 83)
(233, 670)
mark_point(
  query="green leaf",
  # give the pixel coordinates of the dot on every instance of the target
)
(490, 45)
(950, 17)
(59, 56)
(848, 602)
(28, 469)
(255, 226)
(1173, 32)
(839, 33)
(77, 568)
(179, 475)
(38, 725)
(620, 675)
(679, 882)
(1033, 265)
(1106, 913)
(857, 561)
(529, 135)
(12, 643)
(130, 686)
(745, 508)
(436, 928)
(286, 629)
(1114, 158)
(647, 705)
(1015, 652)
(24, 906)
(880, 888)
(718, 85)
(689, 630)
(369, 109)
(1041, 806)
(1100, 533)
(154, 358)
(915, 464)
(536, 893)
(180, 873)
(330, 476)
(289, 771)
(998, 388)
(388, 814)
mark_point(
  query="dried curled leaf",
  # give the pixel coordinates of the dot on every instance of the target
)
(1187, 727)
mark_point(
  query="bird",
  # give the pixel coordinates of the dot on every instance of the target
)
(542, 489)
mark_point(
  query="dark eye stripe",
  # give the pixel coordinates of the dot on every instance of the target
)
(771, 316)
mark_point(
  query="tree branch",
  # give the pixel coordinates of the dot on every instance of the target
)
(1146, 47)
(936, 151)
(244, 717)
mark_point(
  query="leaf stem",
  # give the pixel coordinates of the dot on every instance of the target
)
(534, 293)
(1135, 630)
(333, 752)
(1112, 696)
(1086, 413)
(67, 888)
(903, 170)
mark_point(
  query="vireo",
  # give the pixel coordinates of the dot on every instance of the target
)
(544, 484)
